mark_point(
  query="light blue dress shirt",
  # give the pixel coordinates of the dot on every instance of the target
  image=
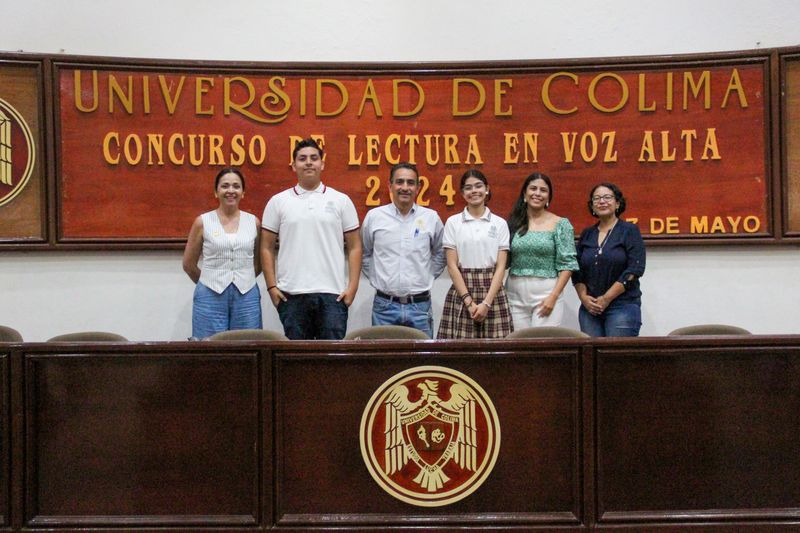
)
(402, 254)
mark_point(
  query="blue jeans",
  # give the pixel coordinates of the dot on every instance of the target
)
(417, 315)
(213, 313)
(313, 316)
(620, 319)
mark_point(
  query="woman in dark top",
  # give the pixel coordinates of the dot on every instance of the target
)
(611, 257)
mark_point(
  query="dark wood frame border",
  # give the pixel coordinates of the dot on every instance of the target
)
(773, 60)
(44, 139)
(780, 131)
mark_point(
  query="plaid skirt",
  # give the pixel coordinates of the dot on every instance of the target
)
(456, 322)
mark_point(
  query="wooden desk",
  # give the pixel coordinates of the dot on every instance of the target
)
(649, 434)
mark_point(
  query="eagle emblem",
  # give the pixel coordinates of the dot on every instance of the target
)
(430, 436)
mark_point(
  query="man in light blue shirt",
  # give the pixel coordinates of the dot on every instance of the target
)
(403, 254)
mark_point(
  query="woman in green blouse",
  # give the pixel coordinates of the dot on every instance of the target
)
(542, 256)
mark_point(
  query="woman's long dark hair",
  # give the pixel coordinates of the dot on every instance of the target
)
(518, 219)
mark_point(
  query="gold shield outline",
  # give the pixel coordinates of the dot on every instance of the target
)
(20, 186)
(440, 498)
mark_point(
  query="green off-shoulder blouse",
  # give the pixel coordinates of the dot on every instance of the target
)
(544, 253)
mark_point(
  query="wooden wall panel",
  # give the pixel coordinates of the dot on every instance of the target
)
(136, 439)
(5, 441)
(22, 193)
(320, 474)
(698, 433)
(650, 434)
(720, 127)
(791, 142)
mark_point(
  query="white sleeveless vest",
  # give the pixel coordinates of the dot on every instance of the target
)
(228, 258)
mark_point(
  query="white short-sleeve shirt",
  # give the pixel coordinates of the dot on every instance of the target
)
(476, 240)
(310, 226)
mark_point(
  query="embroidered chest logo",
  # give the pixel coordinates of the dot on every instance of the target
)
(430, 436)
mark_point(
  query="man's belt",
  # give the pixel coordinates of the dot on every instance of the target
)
(408, 299)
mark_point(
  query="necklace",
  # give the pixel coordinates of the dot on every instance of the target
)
(605, 239)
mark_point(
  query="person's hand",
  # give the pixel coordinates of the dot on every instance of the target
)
(347, 297)
(602, 302)
(595, 306)
(547, 305)
(276, 296)
(589, 303)
(479, 312)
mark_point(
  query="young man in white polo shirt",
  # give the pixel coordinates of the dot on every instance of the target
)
(403, 254)
(307, 280)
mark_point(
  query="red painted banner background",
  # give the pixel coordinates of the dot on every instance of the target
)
(138, 148)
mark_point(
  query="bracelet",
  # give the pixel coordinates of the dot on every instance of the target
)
(465, 296)
(487, 304)
(271, 287)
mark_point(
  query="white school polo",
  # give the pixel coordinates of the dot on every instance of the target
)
(476, 240)
(310, 226)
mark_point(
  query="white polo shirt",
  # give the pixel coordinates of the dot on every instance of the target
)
(476, 240)
(310, 227)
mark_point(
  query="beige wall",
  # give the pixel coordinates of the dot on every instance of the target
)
(146, 296)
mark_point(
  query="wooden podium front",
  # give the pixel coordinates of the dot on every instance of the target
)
(650, 434)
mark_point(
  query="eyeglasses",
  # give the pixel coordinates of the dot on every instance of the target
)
(603, 198)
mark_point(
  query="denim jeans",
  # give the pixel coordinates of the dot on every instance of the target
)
(313, 316)
(417, 315)
(620, 319)
(213, 313)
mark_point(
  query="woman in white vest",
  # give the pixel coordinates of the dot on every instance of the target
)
(226, 296)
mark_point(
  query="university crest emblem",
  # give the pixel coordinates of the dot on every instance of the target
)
(430, 436)
(17, 153)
